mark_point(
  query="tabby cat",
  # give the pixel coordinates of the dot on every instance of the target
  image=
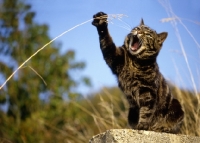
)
(152, 106)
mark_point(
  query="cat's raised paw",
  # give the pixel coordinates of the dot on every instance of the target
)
(100, 19)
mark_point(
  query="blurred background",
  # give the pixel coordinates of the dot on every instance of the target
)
(66, 92)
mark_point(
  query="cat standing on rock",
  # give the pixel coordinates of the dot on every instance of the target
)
(152, 106)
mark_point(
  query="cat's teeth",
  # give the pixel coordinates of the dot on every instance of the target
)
(130, 43)
(135, 33)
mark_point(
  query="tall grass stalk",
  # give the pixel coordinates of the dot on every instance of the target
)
(110, 17)
(195, 109)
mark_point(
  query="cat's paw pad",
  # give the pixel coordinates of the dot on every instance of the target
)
(142, 126)
(100, 19)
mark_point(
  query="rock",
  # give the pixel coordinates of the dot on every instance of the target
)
(135, 136)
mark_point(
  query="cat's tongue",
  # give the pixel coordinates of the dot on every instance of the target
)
(135, 46)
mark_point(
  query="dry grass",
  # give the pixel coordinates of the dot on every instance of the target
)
(108, 109)
(189, 100)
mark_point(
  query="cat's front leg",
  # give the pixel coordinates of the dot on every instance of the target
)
(113, 56)
(145, 118)
(147, 109)
(100, 22)
(106, 43)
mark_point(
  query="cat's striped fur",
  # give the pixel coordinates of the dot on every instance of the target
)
(152, 106)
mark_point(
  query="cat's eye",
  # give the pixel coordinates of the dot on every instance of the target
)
(148, 35)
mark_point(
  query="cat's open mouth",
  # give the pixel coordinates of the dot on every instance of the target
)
(134, 43)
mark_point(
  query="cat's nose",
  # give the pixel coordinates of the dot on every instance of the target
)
(139, 32)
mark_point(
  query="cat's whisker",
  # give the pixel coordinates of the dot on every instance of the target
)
(140, 42)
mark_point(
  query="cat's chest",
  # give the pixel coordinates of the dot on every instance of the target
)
(131, 79)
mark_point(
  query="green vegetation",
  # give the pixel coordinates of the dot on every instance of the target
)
(36, 112)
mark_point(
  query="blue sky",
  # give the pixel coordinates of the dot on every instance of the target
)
(62, 15)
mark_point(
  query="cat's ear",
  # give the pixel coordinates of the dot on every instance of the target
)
(142, 22)
(162, 36)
